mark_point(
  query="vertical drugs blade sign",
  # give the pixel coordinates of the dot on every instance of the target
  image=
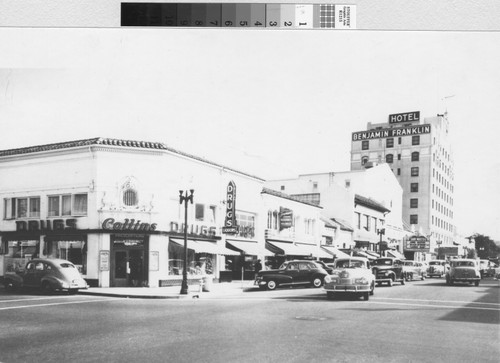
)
(230, 226)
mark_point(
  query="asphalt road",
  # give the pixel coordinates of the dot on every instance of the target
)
(422, 321)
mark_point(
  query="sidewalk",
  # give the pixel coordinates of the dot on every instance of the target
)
(172, 292)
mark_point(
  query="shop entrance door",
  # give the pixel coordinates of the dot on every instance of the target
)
(128, 268)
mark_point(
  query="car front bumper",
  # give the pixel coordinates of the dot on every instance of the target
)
(347, 288)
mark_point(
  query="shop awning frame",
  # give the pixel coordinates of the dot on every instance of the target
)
(335, 252)
(395, 254)
(205, 247)
(251, 248)
(292, 249)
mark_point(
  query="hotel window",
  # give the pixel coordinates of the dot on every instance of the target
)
(415, 140)
(389, 142)
(414, 187)
(367, 222)
(399, 156)
(414, 171)
(413, 203)
(415, 156)
(399, 171)
(364, 160)
(365, 145)
(413, 218)
(282, 187)
(399, 140)
(389, 158)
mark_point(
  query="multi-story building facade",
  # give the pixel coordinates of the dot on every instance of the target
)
(419, 154)
(113, 208)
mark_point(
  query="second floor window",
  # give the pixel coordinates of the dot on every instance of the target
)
(413, 218)
(28, 207)
(415, 156)
(389, 142)
(389, 158)
(414, 171)
(365, 145)
(415, 140)
(67, 205)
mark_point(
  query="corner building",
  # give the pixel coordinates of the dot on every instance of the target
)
(419, 154)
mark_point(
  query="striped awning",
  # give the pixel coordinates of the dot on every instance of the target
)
(335, 252)
(252, 248)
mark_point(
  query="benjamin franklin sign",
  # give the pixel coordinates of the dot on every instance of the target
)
(394, 132)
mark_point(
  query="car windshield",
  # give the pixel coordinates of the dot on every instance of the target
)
(382, 262)
(435, 263)
(408, 263)
(349, 264)
(462, 263)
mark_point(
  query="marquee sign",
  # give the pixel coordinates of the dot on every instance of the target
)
(404, 117)
(394, 132)
(417, 244)
(230, 226)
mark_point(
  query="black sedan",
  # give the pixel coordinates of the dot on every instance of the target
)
(296, 272)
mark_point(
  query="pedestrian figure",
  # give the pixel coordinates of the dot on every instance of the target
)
(257, 267)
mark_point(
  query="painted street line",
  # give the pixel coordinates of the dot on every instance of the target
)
(44, 298)
(435, 306)
(441, 301)
(61, 303)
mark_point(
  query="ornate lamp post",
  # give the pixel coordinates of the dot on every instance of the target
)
(185, 199)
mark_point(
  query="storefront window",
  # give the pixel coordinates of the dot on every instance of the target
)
(197, 263)
(18, 253)
(73, 251)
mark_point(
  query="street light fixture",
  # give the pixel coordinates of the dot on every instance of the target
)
(381, 232)
(185, 199)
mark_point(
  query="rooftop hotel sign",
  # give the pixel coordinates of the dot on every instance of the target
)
(394, 132)
(404, 117)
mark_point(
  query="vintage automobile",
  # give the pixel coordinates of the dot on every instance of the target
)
(350, 275)
(47, 275)
(414, 270)
(463, 270)
(388, 270)
(437, 268)
(327, 267)
(290, 273)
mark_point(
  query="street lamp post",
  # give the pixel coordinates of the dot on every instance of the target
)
(381, 232)
(185, 199)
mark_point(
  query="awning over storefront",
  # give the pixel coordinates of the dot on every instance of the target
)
(395, 254)
(335, 252)
(374, 254)
(248, 247)
(289, 248)
(367, 255)
(205, 247)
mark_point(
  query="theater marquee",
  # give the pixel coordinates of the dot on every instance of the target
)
(395, 132)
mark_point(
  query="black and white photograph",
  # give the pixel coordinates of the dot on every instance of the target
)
(249, 181)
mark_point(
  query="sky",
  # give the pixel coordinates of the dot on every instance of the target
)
(272, 103)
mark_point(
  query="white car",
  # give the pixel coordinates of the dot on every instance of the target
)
(350, 275)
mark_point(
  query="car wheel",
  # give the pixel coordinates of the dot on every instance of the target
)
(317, 282)
(46, 289)
(372, 290)
(271, 285)
(367, 296)
(476, 283)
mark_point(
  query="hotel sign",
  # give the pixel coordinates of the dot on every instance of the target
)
(395, 132)
(230, 218)
(404, 117)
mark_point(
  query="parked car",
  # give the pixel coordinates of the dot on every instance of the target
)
(413, 270)
(327, 267)
(388, 270)
(492, 271)
(290, 273)
(47, 275)
(463, 270)
(437, 268)
(350, 275)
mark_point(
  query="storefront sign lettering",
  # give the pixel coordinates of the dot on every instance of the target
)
(395, 132)
(48, 225)
(404, 117)
(128, 225)
(193, 229)
(230, 218)
(418, 243)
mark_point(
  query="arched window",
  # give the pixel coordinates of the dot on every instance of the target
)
(364, 160)
(415, 156)
(130, 197)
(389, 158)
(269, 219)
(275, 220)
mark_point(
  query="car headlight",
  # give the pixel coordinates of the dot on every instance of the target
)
(361, 281)
(328, 279)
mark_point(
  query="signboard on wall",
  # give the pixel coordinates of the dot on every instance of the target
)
(230, 217)
(404, 117)
(154, 260)
(286, 218)
(103, 260)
